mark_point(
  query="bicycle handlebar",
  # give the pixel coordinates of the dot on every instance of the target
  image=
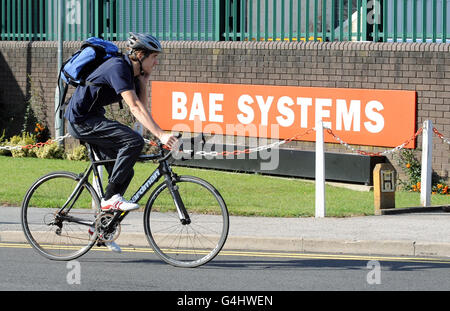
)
(160, 156)
(169, 154)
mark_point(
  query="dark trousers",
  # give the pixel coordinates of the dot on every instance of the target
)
(111, 139)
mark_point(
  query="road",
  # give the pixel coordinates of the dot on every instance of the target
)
(139, 269)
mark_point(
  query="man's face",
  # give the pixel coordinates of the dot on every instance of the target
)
(150, 62)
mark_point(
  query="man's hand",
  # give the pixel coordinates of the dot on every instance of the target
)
(168, 139)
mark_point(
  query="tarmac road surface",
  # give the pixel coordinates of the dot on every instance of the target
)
(139, 269)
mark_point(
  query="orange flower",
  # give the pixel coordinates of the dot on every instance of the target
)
(39, 127)
(408, 165)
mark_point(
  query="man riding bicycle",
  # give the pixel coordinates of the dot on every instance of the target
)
(124, 78)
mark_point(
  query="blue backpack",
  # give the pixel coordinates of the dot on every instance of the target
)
(75, 70)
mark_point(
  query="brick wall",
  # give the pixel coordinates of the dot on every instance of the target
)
(424, 68)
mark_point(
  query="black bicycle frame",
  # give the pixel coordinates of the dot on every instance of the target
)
(162, 170)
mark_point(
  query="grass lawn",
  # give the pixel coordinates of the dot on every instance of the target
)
(245, 194)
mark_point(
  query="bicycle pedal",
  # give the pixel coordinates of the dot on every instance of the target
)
(107, 213)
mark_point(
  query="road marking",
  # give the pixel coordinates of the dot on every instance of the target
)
(269, 254)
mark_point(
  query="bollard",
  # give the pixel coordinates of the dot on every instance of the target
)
(384, 184)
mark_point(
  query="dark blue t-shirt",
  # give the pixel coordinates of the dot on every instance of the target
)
(115, 75)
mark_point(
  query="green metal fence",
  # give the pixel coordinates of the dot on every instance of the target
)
(111, 19)
(338, 20)
(244, 20)
(37, 19)
(167, 20)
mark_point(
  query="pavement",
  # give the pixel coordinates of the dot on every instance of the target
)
(418, 233)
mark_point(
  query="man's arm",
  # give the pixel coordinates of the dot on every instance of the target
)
(142, 114)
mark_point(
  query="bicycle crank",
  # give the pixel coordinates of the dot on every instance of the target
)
(105, 229)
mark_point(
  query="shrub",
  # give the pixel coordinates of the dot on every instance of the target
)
(23, 140)
(79, 153)
(42, 133)
(52, 151)
(411, 167)
(4, 142)
(440, 188)
(413, 170)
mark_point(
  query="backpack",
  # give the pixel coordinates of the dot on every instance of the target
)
(75, 70)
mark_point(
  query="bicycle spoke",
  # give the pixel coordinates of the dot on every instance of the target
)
(55, 234)
(192, 244)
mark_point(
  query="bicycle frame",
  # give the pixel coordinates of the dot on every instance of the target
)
(163, 169)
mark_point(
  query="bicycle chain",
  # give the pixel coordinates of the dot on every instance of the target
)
(99, 227)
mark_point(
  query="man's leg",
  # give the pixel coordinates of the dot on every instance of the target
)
(113, 140)
(113, 188)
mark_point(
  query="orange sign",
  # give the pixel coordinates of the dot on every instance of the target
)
(358, 116)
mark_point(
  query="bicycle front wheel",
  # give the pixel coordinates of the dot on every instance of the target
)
(187, 244)
(60, 234)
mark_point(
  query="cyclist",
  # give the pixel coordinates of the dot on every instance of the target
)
(124, 78)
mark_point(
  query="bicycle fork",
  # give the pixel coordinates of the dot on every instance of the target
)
(182, 213)
(170, 179)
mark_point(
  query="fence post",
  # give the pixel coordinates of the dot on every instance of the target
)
(59, 119)
(320, 171)
(427, 148)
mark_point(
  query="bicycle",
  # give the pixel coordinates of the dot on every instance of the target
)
(185, 218)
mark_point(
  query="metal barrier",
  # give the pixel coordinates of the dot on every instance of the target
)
(111, 19)
(214, 20)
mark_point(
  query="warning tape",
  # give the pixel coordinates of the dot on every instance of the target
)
(381, 153)
(259, 148)
(255, 149)
(445, 140)
(37, 145)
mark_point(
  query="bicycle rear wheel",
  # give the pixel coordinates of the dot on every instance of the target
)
(55, 234)
(193, 244)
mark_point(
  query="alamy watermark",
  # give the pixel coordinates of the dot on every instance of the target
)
(73, 12)
(374, 15)
(249, 136)
(73, 277)
(374, 275)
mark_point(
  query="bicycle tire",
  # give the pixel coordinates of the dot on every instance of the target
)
(187, 245)
(39, 209)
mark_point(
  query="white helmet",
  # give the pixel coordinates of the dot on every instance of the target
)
(139, 41)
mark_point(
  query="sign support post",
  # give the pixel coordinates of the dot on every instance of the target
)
(320, 171)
